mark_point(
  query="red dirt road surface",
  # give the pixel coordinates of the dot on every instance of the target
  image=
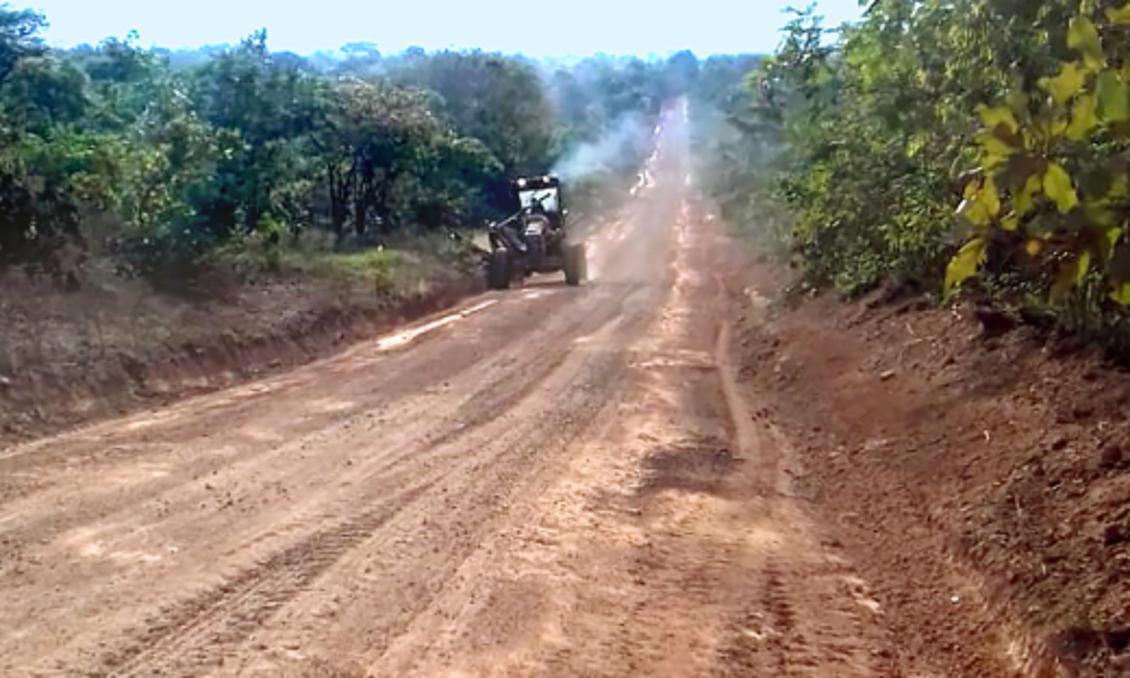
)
(548, 481)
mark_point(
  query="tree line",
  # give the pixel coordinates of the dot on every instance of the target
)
(976, 145)
(168, 155)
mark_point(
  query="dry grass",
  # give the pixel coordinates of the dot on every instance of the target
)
(112, 328)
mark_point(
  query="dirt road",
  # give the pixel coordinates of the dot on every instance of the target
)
(546, 481)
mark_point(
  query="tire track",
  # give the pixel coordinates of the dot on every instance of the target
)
(528, 370)
(198, 633)
(228, 612)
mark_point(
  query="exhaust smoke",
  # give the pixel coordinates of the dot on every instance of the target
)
(615, 151)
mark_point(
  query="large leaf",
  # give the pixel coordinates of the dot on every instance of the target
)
(965, 263)
(982, 206)
(1025, 200)
(1108, 242)
(1082, 266)
(1067, 84)
(1058, 186)
(1083, 118)
(1083, 37)
(996, 149)
(1098, 215)
(992, 116)
(1119, 16)
(1120, 293)
(1114, 98)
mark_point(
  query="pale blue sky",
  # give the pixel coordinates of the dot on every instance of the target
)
(534, 27)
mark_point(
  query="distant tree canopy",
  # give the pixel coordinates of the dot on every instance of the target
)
(189, 149)
(497, 100)
(593, 95)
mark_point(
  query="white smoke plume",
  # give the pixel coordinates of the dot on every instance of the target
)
(615, 151)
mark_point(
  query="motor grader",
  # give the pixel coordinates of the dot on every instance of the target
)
(536, 238)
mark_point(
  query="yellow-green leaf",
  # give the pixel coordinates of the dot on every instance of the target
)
(1098, 215)
(965, 263)
(1083, 37)
(1034, 247)
(1011, 222)
(1057, 128)
(971, 188)
(1120, 293)
(973, 211)
(996, 150)
(992, 116)
(1113, 96)
(1017, 100)
(985, 204)
(917, 144)
(1067, 84)
(1026, 199)
(1057, 184)
(1043, 131)
(1108, 242)
(1113, 235)
(1082, 266)
(1083, 118)
(1119, 16)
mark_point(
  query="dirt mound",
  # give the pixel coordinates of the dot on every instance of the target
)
(974, 465)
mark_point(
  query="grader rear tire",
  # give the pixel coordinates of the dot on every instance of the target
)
(499, 270)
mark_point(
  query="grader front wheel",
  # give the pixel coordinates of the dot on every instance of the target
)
(576, 265)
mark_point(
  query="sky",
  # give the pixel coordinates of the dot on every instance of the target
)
(538, 28)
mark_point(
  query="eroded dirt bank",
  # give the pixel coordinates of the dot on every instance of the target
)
(979, 470)
(116, 345)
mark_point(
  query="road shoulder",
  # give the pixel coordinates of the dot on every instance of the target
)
(979, 478)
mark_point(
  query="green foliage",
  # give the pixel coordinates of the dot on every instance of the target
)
(593, 96)
(499, 101)
(1053, 193)
(866, 136)
(18, 37)
(872, 129)
(387, 157)
(241, 149)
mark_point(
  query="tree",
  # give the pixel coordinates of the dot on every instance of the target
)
(197, 149)
(45, 167)
(497, 100)
(380, 137)
(362, 59)
(263, 111)
(19, 37)
(680, 73)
